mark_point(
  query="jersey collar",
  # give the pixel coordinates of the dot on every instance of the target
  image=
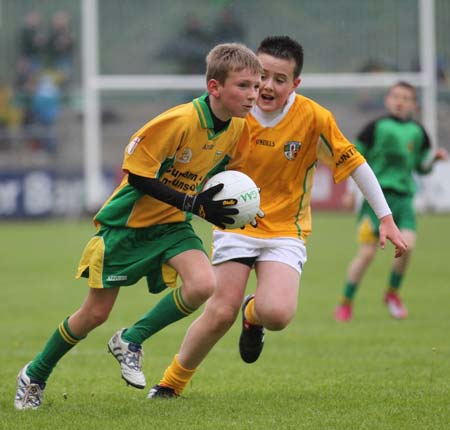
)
(398, 119)
(203, 112)
(271, 119)
(207, 119)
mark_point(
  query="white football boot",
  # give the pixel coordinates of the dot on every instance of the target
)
(29, 393)
(130, 357)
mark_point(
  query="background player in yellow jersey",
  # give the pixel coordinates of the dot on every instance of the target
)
(144, 228)
(289, 134)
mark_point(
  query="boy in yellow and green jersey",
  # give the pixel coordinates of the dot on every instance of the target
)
(395, 146)
(143, 229)
(289, 134)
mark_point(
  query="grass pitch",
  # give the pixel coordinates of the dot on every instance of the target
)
(372, 373)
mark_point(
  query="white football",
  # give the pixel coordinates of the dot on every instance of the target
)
(239, 186)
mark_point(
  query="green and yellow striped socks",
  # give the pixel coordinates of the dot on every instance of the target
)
(169, 309)
(62, 341)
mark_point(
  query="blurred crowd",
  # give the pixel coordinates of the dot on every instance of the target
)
(31, 105)
(189, 46)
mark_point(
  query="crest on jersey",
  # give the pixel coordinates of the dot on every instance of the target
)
(185, 156)
(133, 144)
(291, 149)
(218, 155)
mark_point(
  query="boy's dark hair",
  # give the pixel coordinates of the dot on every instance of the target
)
(406, 85)
(283, 47)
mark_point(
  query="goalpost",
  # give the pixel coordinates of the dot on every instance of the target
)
(93, 83)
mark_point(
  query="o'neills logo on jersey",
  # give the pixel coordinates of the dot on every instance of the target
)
(185, 156)
(291, 149)
(265, 142)
(133, 144)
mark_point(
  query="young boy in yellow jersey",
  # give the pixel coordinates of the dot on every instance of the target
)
(144, 228)
(289, 134)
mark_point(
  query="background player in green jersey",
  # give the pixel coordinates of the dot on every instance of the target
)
(144, 228)
(395, 146)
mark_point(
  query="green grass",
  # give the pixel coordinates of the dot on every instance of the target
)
(374, 373)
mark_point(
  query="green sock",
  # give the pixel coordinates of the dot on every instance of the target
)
(59, 343)
(349, 292)
(169, 309)
(395, 280)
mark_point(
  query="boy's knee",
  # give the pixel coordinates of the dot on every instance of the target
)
(410, 249)
(205, 288)
(224, 316)
(368, 253)
(276, 322)
(219, 318)
(276, 319)
(198, 290)
(98, 316)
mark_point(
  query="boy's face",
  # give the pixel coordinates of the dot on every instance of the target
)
(237, 96)
(277, 83)
(400, 102)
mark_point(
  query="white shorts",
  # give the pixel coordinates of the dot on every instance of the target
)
(228, 246)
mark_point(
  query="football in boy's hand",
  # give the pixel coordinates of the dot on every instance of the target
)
(241, 187)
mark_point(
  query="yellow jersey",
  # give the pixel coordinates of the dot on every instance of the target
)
(282, 161)
(180, 148)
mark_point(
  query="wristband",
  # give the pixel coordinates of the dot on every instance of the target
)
(188, 203)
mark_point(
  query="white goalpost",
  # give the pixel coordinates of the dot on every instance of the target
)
(93, 83)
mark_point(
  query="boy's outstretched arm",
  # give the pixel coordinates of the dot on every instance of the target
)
(368, 184)
(389, 230)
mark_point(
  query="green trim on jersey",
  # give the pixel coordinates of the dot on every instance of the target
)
(219, 168)
(324, 140)
(206, 120)
(203, 112)
(165, 165)
(300, 207)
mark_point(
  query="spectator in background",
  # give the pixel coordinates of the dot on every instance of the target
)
(367, 102)
(24, 84)
(43, 71)
(9, 114)
(60, 45)
(33, 40)
(228, 28)
(189, 47)
(45, 108)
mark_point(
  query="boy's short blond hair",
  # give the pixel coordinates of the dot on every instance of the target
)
(230, 57)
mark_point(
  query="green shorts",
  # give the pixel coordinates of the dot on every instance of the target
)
(402, 207)
(118, 257)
